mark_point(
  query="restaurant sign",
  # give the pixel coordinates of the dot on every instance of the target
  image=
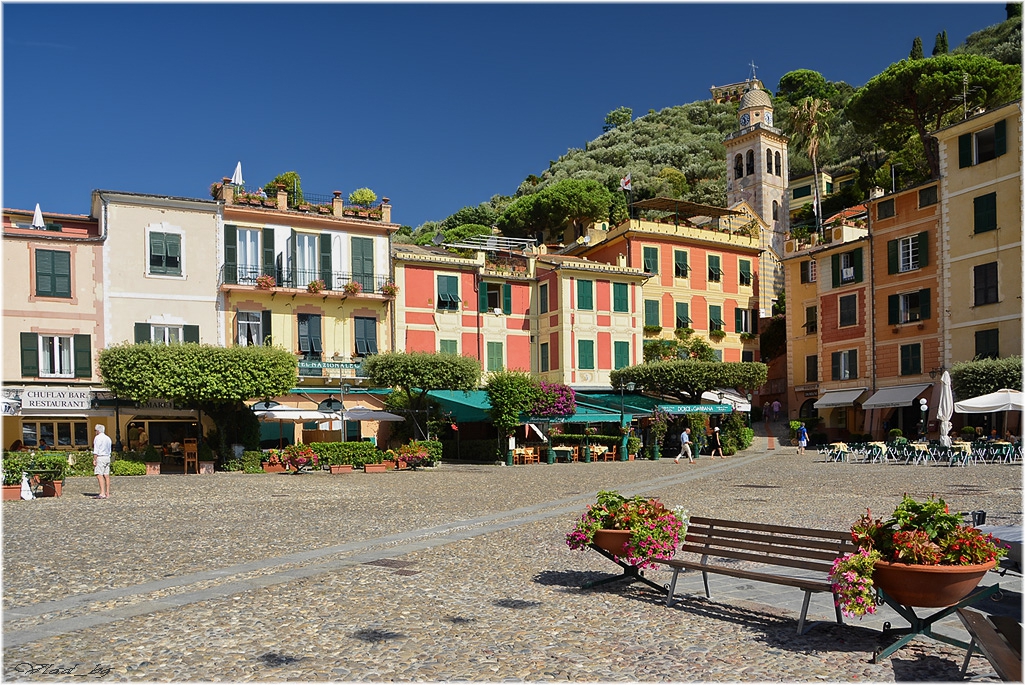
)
(304, 364)
(77, 399)
(696, 408)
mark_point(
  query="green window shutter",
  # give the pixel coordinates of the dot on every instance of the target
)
(83, 357)
(44, 273)
(1000, 134)
(835, 261)
(738, 320)
(923, 249)
(892, 256)
(924, 306)
(651, 260)
(506, 298)
(157, 254)
(620, 297)
(804, 271)
(495, 361)
(681, 263)
(314, 332)
(363, 262)
(482, 297)
(856, 263)
(29, 354)
(62, 274)
(651, 314)
(585, 295)
(265, 325)
(448, 347)
(893, 310)
(190, 334)
(585, 354)
(621, 354)
(754, 320)
(985, 212)
(714, 314)
(173, 256)
(230, 253)
(268, 252)
(143, 333)
(745, 271)
(905, 359)
(325, 259)
(682, 315)
(853, 356)
(964, 150)
(836, 366)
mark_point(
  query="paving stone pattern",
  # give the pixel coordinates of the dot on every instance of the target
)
(454, 573)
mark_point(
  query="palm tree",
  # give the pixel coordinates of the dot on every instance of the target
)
(809, 121)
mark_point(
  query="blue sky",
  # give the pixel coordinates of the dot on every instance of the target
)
(434, 106)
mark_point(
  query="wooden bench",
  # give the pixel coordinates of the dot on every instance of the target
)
(808, 550)
(999, 640)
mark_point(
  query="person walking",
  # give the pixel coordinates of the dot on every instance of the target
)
(101, 461)
(776, 406)
(685, 447)
(717, 444)
(802, 438)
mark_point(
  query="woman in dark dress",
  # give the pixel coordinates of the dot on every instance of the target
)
(717, 444)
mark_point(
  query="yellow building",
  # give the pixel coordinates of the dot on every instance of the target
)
(981, 233)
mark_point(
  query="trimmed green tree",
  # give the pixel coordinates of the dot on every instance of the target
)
(687, 379)
(511, 394)
(983, 376)
(216, 380)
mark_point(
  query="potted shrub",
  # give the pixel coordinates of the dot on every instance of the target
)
(922, 556)
(353, 288)
(265, 282)
(151, 457)
(633, 446)
(272, 464)
(300, 457)
(717, 335)
(659, 427)
(389, 289)
(14, 465)
(315, 286)
(635, 529)
(895, 433)
(652, 330)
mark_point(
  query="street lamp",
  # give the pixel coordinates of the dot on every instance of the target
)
(624, 443)
(749, 410)
(622, 401)
(923, 405)
(345, 433)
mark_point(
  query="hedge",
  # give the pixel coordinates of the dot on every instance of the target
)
(353, 453)
(252, 461)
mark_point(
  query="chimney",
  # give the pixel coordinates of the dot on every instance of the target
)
(621, 260)
(282, 197)
(385, 210)
(337, 203)
(227, 191)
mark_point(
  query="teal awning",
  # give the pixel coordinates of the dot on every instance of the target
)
(465, 407)
(587, 413)
(633, 403)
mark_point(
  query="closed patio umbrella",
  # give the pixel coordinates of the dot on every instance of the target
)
(945, 409)
(368, 414)
(236, 178)
(37, 218)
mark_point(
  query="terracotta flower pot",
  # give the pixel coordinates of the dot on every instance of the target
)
(341, 468)
(12, 492)
(612, 541)
(928, 586)
(374, 468)
(273, 468)
(51, 488)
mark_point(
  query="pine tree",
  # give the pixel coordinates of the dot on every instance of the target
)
(940, 47)
(916, 49)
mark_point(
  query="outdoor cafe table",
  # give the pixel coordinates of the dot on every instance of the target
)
(563, 452)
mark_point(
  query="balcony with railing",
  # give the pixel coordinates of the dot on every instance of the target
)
(280, 199)
(337, 283)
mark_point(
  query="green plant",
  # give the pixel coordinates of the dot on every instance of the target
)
(234, 465)
(251, 461)
(652, 330)
(659, 425)
(127, 467)
(150, 454)
(717, 335)
(316, 285)
(745, 336)
(345, 453)
(655, 531)
(352, 288)
(389, 289)
(683, 333)
(633, 444)
(54, 462)
(299, 457)
(15, 464)
(363, 197)
(919, 533)
(967, 433)
(852, 582)
(895, 433)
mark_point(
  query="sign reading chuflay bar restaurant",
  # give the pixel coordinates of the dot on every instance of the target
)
(56, 398)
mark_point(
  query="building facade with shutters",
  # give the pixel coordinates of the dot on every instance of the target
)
(54, 317)
(981, 234)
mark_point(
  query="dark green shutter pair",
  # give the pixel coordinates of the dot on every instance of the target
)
(165, 250)
(482, 298)
(856, 265)
(585, 294)
(267, 268)
(53, 273)
(682, 269)
(965, 158)
(910, 359)
(893, 252)
(852, 356)
(683, 315)
(651, 313)
(620, 297)
(30, 355)
(362, 262)
(621, 353)
(985, 212)
(924, 307)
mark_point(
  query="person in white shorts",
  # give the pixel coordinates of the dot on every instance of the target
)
(101, 461)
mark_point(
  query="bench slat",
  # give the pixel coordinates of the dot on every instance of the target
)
(803, 583)
(833, 546)
(993, 645)
(768, 559)
(766, 527)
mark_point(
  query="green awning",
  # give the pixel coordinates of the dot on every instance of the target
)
(586, 413)
(465, 407)
(633, 403)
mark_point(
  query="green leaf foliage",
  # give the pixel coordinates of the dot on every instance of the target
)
(293, 186)
(195, 374)
(555, 207)
(363, 197)
(617, 117)
(916, 97)
(1001, 42)
(688, 379)
(417, 373)
(983, 376)
(511, 394)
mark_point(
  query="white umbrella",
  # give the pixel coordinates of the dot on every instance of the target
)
(37, 218)
(1001, 400)
(945, 409)
(236, 177)
(294, 415)
(368, 414)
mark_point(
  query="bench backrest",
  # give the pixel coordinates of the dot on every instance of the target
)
(805, 548)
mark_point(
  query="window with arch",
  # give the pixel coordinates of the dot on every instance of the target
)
(738, 167)
(779, 171)
(775, 211)
(768, 161)
(750, 162)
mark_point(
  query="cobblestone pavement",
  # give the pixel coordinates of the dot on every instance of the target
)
(455, 573)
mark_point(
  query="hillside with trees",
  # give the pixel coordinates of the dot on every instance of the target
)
(878, 131)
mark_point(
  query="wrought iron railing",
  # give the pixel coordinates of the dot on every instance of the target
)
(335, 281)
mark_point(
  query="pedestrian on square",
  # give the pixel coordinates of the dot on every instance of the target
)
(767, 411)
(776, 406)
(802, 438)
(717, 444)
(101, 460)
(685, 447)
